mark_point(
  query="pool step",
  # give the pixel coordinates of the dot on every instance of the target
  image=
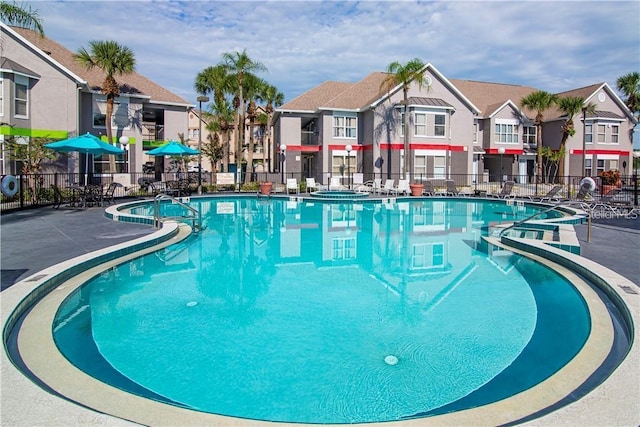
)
(561, 236)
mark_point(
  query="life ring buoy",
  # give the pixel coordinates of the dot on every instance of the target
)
(587, 180)
(9, 185)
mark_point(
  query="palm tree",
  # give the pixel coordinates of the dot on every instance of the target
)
(629, 85)
(221, 122)
(273, 97)
(238, 65)
(412, 71)
(18, 16)
(570, 106)
(539, 101)
(214, 80)
(113, 59)
(252, 88)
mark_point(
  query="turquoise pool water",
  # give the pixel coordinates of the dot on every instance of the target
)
(327, 313)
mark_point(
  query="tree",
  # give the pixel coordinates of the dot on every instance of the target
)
(238, 65)
(214, 80)
(19, 16)
(629, 85)
(399, 74)
(570, 106)
(113, 59)
(539, 101)
(253, 87)
(220, 123)
(273, 97)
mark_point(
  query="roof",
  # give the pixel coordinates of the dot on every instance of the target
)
(360, 94)
(8, 65)
(489, 96)
(132, 83)
(315, 98)
(428, 102)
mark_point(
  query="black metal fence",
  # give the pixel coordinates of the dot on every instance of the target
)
(37, 190)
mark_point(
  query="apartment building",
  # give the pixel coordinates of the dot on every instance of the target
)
(457, 127)
(45, 93)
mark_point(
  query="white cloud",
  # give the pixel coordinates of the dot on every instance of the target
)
(554, 46)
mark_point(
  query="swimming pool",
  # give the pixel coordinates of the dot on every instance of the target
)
(340, 313)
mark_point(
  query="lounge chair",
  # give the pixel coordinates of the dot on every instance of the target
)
(108, 196)
(336, 185)
(292, 185)
(551, 196)
(402, 188)
(389, 186)
(313, 185)
(506, 192)
(428, 189)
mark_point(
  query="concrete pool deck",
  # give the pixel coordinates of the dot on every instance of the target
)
(81, 231)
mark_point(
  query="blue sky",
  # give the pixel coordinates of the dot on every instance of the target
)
(553, 46)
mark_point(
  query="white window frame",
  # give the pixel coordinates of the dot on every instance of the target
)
(339, 163)
(528, 136)
(615, 134)
(437, 126)
(345, 125)
(475, 133)
(588, 166)
(588, 133)
(344, 248)
(506, 132)
(601, 136)
(428, 256)
(22, 81)
(420, 124)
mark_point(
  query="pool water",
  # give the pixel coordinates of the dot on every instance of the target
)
(327, 313)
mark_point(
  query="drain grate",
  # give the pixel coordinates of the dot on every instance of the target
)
(629, 290)
(36, 278)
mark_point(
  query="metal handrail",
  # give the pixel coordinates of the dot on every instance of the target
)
(157, 216)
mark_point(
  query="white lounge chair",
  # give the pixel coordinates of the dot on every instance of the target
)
(389, 186)
(313, 185)
(402, 187)
(336, 185)
(292, 185)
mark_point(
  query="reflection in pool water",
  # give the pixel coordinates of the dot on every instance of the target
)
(292, 311)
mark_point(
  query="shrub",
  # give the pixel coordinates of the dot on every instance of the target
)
(610, 177)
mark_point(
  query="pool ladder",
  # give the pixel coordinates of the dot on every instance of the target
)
(194, 215)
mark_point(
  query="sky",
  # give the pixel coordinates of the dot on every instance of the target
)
(549, 45)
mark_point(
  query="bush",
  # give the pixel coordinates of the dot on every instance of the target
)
(610, 177)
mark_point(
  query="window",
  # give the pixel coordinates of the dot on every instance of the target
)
(615, 134)
(588, 134)
(421, 125)
(506, 133)
(402, 123)
(21, 99)
(439, 167)
(195, 134)
(475, 132)
(602, 133)
(344, 125)
(529, 135)
(599, 166)
(110, 163)
(420, 166)
(439, 124)
(119, 118)
(588, 166)
(340, 166)
(344, 248)
(428, 255)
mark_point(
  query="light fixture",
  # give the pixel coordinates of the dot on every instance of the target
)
(348, 147)
(200, 100)
(124, 141)
(501, 151)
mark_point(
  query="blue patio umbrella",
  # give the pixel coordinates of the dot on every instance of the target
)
(173, 148)
(87, 144)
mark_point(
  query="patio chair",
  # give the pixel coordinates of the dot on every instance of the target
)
(551, 195)
(312, 184)
(388, 187)
(58, 197)
(609, 202)
(292, 185)
(108, 196)
(335, 184)
(428, 189)
(402, 188)
(506, 192)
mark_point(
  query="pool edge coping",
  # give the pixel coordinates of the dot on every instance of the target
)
(586, 411)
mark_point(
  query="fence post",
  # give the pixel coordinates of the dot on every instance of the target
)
(635, 190)
(21, 188)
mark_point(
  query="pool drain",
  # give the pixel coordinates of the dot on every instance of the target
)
(391, 360)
